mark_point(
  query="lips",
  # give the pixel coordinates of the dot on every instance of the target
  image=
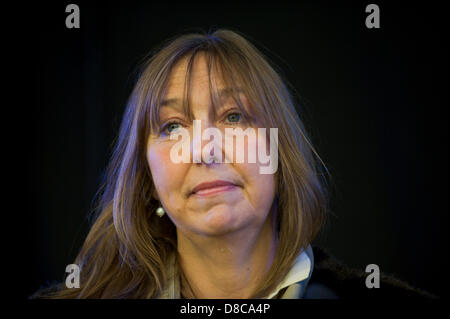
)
(213, 187)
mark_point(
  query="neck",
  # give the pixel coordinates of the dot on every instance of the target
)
(228, 266)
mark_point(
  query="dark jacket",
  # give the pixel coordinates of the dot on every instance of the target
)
(331, 279)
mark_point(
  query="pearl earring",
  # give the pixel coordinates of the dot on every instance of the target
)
(160, 212)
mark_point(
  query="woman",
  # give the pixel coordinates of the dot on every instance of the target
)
(207, 228)
(235, 238)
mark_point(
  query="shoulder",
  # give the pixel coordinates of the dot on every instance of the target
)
(333, 279)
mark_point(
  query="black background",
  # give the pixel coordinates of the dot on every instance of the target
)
(374, 100)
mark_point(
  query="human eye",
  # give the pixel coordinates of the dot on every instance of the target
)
(170, 127)
(233, 117)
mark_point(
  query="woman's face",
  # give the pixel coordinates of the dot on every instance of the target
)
(245, 204)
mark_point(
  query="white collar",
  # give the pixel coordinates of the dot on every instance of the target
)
(298, 275)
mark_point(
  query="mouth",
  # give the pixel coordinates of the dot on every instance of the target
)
(213, 188)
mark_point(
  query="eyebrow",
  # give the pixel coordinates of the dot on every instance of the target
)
(223, 93)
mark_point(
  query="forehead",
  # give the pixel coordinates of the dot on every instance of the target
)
(200, 76)
(189, 87)
(197, 82)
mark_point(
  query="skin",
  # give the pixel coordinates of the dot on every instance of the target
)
(226, 241)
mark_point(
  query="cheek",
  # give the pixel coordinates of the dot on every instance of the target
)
(260, 187)
(167, 176)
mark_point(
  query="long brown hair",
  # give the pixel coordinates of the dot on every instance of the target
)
(126, 251)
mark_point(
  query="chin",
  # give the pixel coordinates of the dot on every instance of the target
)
(220, 222)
